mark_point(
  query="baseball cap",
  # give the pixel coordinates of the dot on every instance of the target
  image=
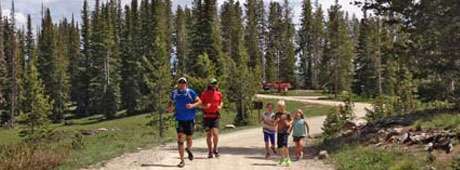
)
(213, 81)
(182, 80)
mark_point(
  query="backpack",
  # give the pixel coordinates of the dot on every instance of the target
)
(187, 92)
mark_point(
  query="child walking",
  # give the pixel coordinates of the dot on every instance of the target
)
(299, 133)
(269, 130)
(283, 122)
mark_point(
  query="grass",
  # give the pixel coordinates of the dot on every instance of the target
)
(305, 93)
(355, 98)
(294, 92)
(9, 136)
(442, 121)
(309, 110)
(365, 158)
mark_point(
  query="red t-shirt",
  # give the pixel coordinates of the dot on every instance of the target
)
(214, 98)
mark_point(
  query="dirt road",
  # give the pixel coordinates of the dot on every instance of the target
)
(239, 150)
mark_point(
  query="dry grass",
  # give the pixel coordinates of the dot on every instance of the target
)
(31, 156)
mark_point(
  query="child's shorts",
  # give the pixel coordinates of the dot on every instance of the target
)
(269, 136)
(298, 138)
(283, 139)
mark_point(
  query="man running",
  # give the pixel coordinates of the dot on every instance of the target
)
(212, 103)
(185, 101)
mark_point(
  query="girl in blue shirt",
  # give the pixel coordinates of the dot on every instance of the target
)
(299, 130)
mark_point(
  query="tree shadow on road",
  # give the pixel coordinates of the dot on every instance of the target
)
(158, 165)
(264, 164)
(230, 150)
(253, 152)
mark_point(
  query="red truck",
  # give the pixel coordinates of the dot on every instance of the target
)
(278, 85)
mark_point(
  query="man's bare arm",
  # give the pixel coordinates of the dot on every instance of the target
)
(196, 103)
(169, 109)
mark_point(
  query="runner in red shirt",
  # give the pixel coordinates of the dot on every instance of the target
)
(212, 103)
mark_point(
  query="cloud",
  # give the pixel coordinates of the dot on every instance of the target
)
(20, 18)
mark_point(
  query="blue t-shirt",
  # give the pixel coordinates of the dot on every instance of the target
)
(180, 99)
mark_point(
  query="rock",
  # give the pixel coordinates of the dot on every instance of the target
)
(429, 147)
(102, 129)
(445, 145)
(349, 125)
(323, 155)
(450, 148)
(347, 133)
(393, 139)
(360, 123)
(398, 130)
(378, 144)
(404, 138)
(419, 138)
(230, 126)
(382, 131)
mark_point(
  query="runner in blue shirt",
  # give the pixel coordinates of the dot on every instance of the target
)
(185, 101)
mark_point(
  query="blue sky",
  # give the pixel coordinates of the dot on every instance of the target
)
(65, 8)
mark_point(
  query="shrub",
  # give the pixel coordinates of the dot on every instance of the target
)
(28, 156)
(456, 163)
(405, 165)
(337, 117)
(383, 106)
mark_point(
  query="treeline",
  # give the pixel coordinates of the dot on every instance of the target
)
(128, 57)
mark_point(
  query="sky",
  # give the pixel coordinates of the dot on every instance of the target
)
(65, 8)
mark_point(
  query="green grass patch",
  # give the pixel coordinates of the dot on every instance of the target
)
(442, 121)
(364, 158)
(9, 136)
(309, 110)
(305, 93)
(294, 92)
(355, 98)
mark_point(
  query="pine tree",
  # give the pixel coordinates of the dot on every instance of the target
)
(156, 59)
(52, 67)
(28, 52)
(157, 78)
(287, 57)
(364, 78)
(232, 31)
(254, 32)
(181, 41)
(11, 53)
(339, 51)
(104, 84)
(317, 38)
(75, 58)
(82, 76)
(205, 36)
(131, 48)
(36, 105)
(34, 115)
(241, 82)
(274, 43)
(306, 45)
(368, 64)
(3, 76)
